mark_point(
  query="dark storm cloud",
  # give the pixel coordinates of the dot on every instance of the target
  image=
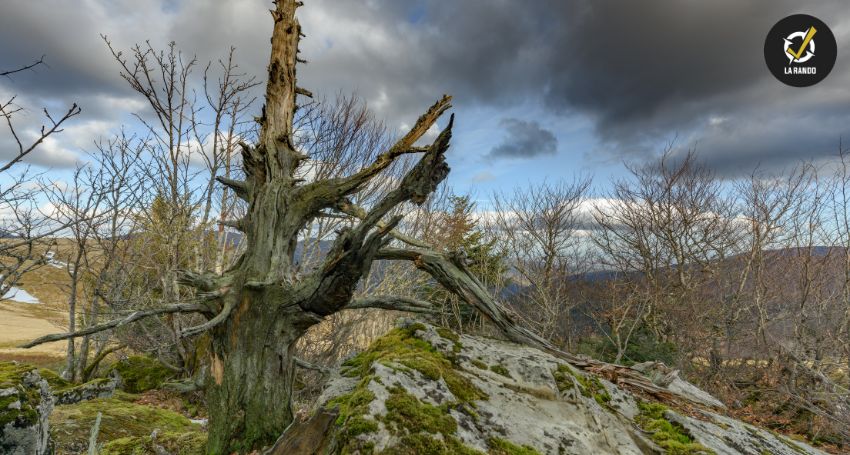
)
(524, 140)
(80, 69)
(640, 71)
(643, 72)
(639, 65)
(647, 71)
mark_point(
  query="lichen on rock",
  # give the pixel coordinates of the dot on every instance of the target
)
(25, 404)
(427, 390)
(96, 388)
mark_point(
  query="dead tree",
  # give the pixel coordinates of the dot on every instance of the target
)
(257, 309)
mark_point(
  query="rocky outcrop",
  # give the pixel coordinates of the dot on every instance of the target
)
(27, 398)
(25, 405)
(97, 388)
(422, 389)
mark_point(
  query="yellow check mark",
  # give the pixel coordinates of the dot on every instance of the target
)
(809, 35)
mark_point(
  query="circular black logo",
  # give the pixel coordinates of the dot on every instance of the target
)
(800, 50)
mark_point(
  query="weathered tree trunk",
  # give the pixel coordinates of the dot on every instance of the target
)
(251, 365)
(251, 373)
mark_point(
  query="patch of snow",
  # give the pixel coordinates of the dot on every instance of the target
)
(16, 294)
(50, 257)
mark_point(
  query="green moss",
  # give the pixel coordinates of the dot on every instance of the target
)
(499, 446)
(352, 407)
(423, 444)
(500, 370)
(479, 364)
(416, 422)
(191, 443)
(360, 425)
(563, 376)
(401, 347)
(452, 336)
(140, 373)
(29, 397)
(668, 435)
(422, 428)
(598, 391)
(70, 424)
(448, 334)
(354, 403)
(55, 381)
(405, 411)
(589, 385)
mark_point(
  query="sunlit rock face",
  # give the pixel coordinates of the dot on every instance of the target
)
(422, 389)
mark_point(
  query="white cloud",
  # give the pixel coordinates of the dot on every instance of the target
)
(484, 176)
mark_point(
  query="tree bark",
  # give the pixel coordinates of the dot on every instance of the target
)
(251, 373)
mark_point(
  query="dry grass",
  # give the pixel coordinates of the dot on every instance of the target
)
(39, 359)
(20, 322)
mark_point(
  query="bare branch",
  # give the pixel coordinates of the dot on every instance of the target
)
(353, 210)
(238, 186)
(327, 192)
(311, 366)
(392, 302)
(354, 249)
(304, 92)
(201, 281)
(229, 305)
(6, 111)
(40, 61)
(133, 317)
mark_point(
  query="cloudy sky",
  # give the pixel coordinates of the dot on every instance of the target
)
(543, 88)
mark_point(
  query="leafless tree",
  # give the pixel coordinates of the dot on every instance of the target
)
(24, 229)
(184, 132)
(666, 228)
(9, 108)
(540, 227)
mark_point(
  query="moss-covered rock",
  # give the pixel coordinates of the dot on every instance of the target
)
(96, 388)
(190, 443)
(25, 404)
(426, 390)
(140, 373)
(53, 379)
(499, 446)
(386, 412)
(400, 347)
(121, 418)
(669, 435)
